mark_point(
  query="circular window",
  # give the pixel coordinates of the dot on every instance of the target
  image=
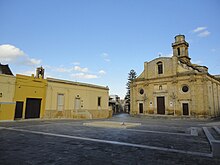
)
(141, 91)
(185, 88)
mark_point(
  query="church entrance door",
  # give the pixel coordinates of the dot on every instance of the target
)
(185, 109)
(161, 105)
(141, 107)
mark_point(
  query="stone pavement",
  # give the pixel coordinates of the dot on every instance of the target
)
(155, 141)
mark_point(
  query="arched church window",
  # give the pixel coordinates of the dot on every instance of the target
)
(160, 67)
(178, 51)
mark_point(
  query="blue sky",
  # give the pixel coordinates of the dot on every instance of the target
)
(100, 41)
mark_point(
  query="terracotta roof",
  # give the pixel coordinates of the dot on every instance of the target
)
(4, 69)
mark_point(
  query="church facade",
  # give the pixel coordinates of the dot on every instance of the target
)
(174, 86)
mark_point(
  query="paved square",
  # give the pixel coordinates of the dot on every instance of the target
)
(155, 141)
(111, 124)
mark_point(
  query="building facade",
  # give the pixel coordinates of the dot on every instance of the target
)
(31, 97)
(67, 99)
(7, 91)
(115, 104)
(174, 86)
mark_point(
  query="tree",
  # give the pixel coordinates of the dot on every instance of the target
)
(131, 76)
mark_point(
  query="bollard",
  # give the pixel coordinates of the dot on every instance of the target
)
(194, 131)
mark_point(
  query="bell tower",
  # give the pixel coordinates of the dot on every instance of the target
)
(40, 72)
(180, 49)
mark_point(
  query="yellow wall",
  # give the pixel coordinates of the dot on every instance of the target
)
(86, 93)
(30, 87)
(7, 111)
(7, 90)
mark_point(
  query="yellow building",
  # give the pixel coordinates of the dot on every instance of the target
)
(26, 97)
(175, 86)
(67, 99)
(7, 90)
(30, 94)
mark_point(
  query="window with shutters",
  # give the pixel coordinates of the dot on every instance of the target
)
(60, 102)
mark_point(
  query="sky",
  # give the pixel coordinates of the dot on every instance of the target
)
(100, 41)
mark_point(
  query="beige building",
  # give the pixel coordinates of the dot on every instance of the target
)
(67, 99)
(175, 86)
(7, 91)
(27, 97)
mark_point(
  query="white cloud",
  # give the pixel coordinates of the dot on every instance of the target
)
(84, 76)
(107, 60)
(197, 62)
(64, 70)
(102, 72)
(60, 69)
(76, 63)
(12, 54)
(105, 56)
(204, 34)
(78, 68)
(199, 29)
(32, 61)
(213, 50)
(28, 73)
(165, 55)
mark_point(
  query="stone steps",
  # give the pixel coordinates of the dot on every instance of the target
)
(213, 136)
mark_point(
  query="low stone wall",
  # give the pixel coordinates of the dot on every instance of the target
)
(80, 114)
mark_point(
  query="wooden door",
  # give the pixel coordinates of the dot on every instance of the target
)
(160, 105)
(33, 106)
(18, 109)
(141, 108)
(185, 109)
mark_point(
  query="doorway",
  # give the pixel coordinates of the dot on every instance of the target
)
(18, 109)
(161, 105)
(33, 106)
(185, 109)
(141, 108)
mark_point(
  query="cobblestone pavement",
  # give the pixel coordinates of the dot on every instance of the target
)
(156, 141)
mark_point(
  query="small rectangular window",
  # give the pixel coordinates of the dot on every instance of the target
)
(99, 101)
